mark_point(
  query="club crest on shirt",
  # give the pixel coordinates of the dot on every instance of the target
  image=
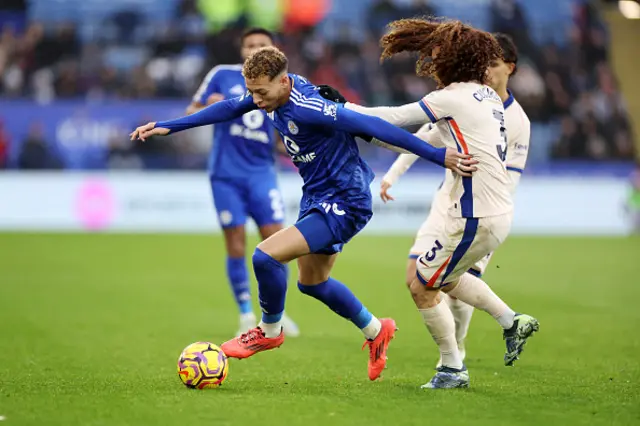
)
(292, 127)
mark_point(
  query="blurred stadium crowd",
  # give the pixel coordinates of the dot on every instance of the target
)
(97, 50)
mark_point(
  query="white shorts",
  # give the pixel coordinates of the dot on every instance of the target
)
(433, 228)
(459, 245)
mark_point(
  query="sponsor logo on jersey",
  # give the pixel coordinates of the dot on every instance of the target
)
(292, 127)
(331, 110)
(304, 158)
(520, 147)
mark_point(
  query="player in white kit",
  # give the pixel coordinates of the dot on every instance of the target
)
(518, 132)
(469, 116)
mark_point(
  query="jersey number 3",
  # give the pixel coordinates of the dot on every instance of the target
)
(502, 147)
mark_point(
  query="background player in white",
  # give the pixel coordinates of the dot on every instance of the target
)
(470, 116)
(518, 132)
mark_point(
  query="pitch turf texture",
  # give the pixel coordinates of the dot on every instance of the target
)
(92, 326)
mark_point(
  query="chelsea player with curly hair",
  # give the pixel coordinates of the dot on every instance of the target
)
(470, 116)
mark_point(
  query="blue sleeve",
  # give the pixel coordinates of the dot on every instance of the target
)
(216, 113)
(352, 122)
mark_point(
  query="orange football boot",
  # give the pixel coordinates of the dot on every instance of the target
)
(378, 347)
(250, 343)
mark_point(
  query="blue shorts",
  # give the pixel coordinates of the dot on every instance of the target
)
(257, 197)
(341, 221)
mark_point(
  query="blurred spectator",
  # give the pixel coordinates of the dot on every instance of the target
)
(570, 139)
(35, 154)
(124, 24)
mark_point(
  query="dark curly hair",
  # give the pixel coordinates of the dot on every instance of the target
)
(465, 52)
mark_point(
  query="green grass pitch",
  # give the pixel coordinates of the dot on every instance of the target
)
(92, 326)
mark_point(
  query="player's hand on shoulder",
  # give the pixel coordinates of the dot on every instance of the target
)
(384, 191)
(331, 94)
(148, 130)
(461, 164)
(215, 98)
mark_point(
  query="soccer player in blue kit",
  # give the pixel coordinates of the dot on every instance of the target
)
(242, 174)
(336, 202)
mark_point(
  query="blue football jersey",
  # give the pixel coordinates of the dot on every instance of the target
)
(243, 146)
(328, 159)
(318, 136)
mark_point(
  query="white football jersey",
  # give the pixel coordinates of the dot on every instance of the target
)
(518, 136)
(470, 118)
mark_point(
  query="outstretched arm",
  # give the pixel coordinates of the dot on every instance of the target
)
(216, 113)
(435, 106)
(403, 116)
(354, 123)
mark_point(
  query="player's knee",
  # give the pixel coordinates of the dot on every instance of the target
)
(423, 296)
(260, 259)
(236, 249)
(416, 288)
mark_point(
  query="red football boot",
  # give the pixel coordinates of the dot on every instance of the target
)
(250, 343)
(378, 347)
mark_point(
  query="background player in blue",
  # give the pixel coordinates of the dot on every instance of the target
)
(336, 202)
(242, 174)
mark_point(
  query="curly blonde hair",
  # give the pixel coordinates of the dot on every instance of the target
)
(269, 61)
(465, 52)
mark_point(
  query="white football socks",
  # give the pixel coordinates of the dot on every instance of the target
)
(475, 292)
(372, 329)
(271, 330)
(440, 323)
(462, 313)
